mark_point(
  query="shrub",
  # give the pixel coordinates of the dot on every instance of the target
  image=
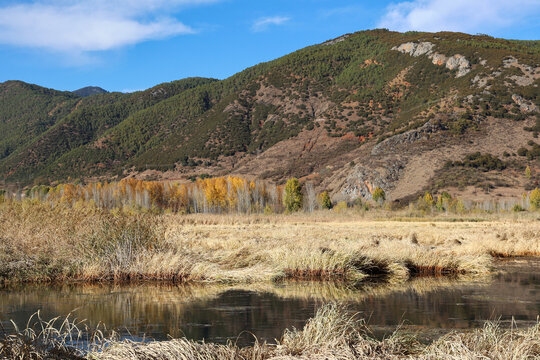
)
(358, 203)
(293, 199)
(460, 126)
(340, 207)
(518, 208)
(379, 195)
(268, 210)
(484, 162)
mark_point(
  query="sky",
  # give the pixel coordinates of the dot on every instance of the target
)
(130, 45)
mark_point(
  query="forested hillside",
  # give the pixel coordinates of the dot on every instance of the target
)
(401, 111)
(90, 90)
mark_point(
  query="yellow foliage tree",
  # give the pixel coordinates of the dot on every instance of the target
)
(534, 199)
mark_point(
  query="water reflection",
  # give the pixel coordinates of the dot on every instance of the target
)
(217, 313)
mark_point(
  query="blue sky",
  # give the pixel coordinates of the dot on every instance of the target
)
(127, 45)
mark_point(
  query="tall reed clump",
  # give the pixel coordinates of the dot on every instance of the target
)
(119, 245)
(324, 263)
(40, 243)
(45, 243)
(59, 338)
(335, 334)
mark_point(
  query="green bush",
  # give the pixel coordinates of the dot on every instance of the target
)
(463, 124)
(477, 160)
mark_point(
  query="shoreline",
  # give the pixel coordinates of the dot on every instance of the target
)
(331, 334)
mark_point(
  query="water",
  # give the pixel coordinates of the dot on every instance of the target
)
(218, 313)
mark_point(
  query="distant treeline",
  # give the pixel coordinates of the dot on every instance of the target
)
(238, 195)
(204, 195)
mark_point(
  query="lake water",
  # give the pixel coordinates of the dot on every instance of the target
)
(217, 313)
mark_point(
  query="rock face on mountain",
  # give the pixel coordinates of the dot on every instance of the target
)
(422, 133)
(453, 62)
(373, 108)
(524, 105)
(414, 49)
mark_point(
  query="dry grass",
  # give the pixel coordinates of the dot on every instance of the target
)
(332, 334)
(58, 338)
(490, 342)
(41, 243)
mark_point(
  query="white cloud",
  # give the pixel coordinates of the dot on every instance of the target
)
(265, 22)
(469, 16)
(75, 27)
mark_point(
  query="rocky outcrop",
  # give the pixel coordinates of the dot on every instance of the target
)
(362, 180)
(528, 75)
(336, 40)
(524, 105)
(414, 49)
(389, 145)
(460, 63)
(424, 48)
(439, 59)
(456, 62)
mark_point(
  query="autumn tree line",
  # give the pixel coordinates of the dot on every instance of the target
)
(204, 195)
(238, 195)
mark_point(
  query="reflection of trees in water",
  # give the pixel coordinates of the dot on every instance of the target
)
(218, 312)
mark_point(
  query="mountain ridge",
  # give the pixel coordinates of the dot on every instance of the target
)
(349, 114)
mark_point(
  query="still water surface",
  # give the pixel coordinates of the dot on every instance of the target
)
(218, 313)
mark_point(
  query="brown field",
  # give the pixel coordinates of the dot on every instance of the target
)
(40, 243)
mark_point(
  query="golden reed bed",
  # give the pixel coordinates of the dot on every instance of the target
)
(40, 243)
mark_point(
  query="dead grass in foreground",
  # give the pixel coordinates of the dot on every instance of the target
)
(40, 243)
(331, 334)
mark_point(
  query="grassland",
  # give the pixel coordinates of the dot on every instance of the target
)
(332, 334)
(41, 243)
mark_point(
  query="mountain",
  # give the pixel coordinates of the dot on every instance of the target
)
(407, 112)
(90, 90)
